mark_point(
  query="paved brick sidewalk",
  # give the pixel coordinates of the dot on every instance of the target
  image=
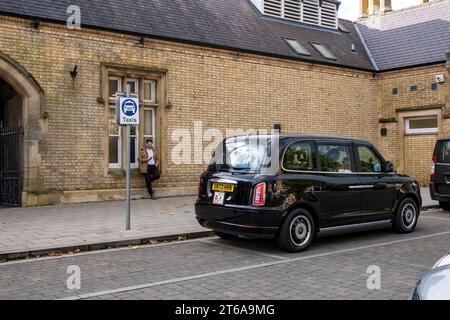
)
(34, 229)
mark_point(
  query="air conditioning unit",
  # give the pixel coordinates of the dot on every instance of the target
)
(440, 78)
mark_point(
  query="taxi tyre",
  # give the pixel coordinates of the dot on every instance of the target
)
(406, 217)
(297, 231)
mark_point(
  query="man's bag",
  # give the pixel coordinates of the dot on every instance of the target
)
(155, 174)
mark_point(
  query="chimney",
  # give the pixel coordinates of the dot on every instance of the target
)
(385, 6)
(363, 8)
(374, 7)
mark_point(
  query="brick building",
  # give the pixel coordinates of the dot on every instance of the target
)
(202, 64)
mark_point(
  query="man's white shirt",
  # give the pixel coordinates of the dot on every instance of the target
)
(152, 158)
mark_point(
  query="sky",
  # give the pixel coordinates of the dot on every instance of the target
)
(349, 9)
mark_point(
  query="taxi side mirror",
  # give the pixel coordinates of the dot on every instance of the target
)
(389, 167)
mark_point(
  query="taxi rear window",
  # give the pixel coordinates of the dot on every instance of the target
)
(443, 151)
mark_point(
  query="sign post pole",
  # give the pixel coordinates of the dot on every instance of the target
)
(127, 115)
(127, 179)
(128, 188)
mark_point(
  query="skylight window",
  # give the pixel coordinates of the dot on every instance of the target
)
(323, 51)
(297, 47)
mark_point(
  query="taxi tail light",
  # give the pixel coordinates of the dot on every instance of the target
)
(259, 194)
(433, 169)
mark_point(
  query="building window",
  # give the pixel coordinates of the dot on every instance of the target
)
(413, 88)
(422, 125)
(144, 89)
(149, 124)
(115, 150)
(115, 85)
(149, 91)
(434, 86)
(394, 91)
(133, 86)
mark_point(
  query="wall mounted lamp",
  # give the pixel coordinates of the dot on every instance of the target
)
(74, 73)
(36, 23)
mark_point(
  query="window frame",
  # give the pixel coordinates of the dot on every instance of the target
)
(116, 165)
(153, 136)
(375, 151)
(112, 105)
(410, 131)
(152, 89)
(135, 164)
(138, 79)
(112, 99)
(136, 85)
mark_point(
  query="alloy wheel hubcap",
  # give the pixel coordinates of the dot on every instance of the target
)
(408, 215)
(300, 231)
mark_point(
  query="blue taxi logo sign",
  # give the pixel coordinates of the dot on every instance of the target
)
(129, 111)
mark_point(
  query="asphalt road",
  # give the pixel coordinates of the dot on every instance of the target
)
(334, 267)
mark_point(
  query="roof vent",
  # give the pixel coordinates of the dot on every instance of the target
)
(318, 12)
(343, 28)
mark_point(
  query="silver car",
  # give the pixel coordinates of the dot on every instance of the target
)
(435, 284)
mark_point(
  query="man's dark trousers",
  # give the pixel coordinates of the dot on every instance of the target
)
(149, 178)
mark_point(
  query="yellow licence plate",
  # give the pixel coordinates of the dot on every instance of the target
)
(223, 187)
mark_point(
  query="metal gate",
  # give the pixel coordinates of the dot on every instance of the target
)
(11, 165)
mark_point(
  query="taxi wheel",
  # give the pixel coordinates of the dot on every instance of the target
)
(406, 217)
(297, 231)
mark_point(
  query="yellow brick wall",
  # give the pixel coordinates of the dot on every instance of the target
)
(418, 154)
(403, 80)
(412, 154)
(221, 89)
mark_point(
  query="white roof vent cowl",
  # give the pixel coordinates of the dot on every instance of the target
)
(316, 12)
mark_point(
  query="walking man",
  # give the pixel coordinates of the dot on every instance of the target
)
(148, 165)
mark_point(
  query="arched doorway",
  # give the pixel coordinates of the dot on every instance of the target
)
(11, 145)
(22, 127)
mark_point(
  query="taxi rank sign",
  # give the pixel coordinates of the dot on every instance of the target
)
(127, 113)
